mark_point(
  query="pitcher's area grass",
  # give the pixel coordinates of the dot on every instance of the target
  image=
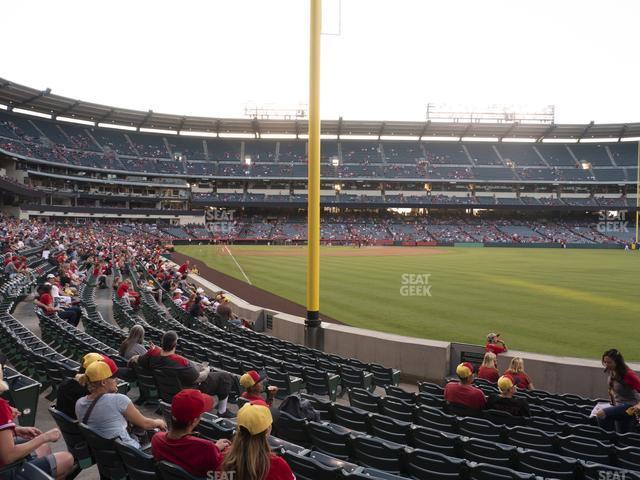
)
(561, 302)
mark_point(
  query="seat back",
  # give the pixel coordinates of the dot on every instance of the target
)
(586, 449)
(104, 452)
(76, 443)
(32, 472)
(389, 429)
(350, 417)
(486, 471)
(433, 418)
(531, 438)
(138, 464)
(169, 471)
(432, 465)
(292, 429)
(306, 468)
(434, 440)
(480, 428)
(547, 465)
(168, 383)
(396, 408)
(476, 450)
(146, 383)
(376, 453)
(383, 376)
(364, 400)
(330, 439)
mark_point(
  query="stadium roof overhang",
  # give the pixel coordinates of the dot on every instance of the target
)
(44, 101)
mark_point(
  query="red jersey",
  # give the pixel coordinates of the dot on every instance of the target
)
(466, 395)
(198, 456)
(6, 419)
(496, 348)
(279, 470)
(488, 373)
(157, 351)
(254, 399)
(520, 380)
(183, 268)
(47, 299)
(122, 289)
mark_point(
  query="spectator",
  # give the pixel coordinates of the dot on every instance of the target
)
(250, 456)
(517, 374)
(45, 302)
(495, 344)
(225, 313)
(506, 402)
(112, 411)
(463, 393)
(489, 368)
(624, 388)
(190, 375)
(132, 346)
(74, 388)
(252, 382)
(198, 456)
(29, 443)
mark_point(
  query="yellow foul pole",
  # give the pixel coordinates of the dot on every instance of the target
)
(313, 221)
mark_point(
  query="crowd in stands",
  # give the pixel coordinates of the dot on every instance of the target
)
(92, 252)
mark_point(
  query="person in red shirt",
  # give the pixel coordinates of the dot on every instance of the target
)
(183, 268)
(489, 368)
(29, 443)
(517, 374)
(198, 456)
(463, 393)
(495, 344)
(249, 455)
(252, 382)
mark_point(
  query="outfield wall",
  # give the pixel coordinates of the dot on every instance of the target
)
(422, 359)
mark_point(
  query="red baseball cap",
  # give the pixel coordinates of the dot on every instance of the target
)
(189, 404)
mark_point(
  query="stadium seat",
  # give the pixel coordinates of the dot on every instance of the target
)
(23, 394)
(593, 432)
(104, 452)
(384, 376)
(396, 408)
(215, 428)
(389, 429)
(167, 382)
(320, 405)
(376, 453)
(547, 465)
(628, 440)
(548, 425)
(531, 438)
(364, 400)
(430, 400)
(627, 457)
(138, 464)
(32, 472)
(370, 474)
(169, 471)
(435, 419)
(351, 417)
(320, 382)
(351, 377)
(307, 468)
(434, 440)
(476, 450)
(436, 466)
(146, 385)
(480, 428)
(585, 449)
(73, 438)
(397, 392)
(330, 439)
(500, 417)
(486, 471)
(292, 429)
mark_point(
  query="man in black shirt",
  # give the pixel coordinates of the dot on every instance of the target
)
(506, 401)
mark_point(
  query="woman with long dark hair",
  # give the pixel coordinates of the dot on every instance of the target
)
(133, 344)
(624, 393)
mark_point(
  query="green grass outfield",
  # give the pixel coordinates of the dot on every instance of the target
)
(561, 302)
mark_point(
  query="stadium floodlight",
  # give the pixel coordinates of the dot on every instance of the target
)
(585, 165)
(33, 113)
(75, 120)
(3, 107)
(599, 140)
(116, 126)
(427, 187)
(559, 140)
(630, 139)
(479, 139)
(335, 161)
(518, 140)
(337, 187)
(159, 130)
(247, 161)
(510, 163)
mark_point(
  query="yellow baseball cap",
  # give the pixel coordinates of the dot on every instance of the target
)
(255, 418)
(99, 371)
(505, 384)
(464, 370)
(89, 358)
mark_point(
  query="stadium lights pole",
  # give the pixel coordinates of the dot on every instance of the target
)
(312, 322)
